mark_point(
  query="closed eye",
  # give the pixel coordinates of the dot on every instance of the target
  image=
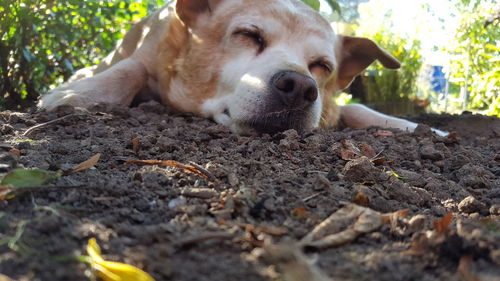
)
(254, 35)
(326, 66)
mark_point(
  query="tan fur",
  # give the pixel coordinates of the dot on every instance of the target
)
(192, 56)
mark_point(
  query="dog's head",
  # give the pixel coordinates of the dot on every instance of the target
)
(262, 65)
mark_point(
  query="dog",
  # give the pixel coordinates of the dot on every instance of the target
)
(256, 66)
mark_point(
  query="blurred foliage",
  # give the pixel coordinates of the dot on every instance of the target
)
(316, 4)
(386, 90)
(44, 41)
(475, 54)
(389, 85)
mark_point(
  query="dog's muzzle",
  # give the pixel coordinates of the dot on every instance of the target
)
(288, 105)
(295, 90)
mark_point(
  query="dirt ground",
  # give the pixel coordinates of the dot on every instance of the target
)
(246, 202)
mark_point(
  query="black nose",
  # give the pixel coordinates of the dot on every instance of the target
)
(296, 90)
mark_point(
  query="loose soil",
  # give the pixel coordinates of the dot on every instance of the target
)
(254, 191)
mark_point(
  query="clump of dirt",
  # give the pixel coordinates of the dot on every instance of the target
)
(251, 191)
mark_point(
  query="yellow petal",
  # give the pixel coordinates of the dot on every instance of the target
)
(105, 274)
(113, 271)
(126, 272)
(94, 251)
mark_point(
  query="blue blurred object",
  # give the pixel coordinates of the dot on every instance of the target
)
(438, 79)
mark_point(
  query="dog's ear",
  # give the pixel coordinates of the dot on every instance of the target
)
(188, 10)
(355, 54)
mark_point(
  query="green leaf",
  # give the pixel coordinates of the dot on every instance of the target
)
(313, 3)
(28, 178)
(334, 5)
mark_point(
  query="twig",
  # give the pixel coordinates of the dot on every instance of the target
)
(209, 175)
(39, 126)
(311, 196)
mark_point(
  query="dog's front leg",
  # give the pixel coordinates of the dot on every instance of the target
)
(360, 116)
(118, 84)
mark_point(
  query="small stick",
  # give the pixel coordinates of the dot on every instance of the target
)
(311, 197)
(209, 175)
(39, 126)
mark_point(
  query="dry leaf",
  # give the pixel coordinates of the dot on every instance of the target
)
(171, 163)
(15, 152)
(361, 200)
(85, 165)
(420, 246)
(443, 225)
(453, 136)
(346, 154)
(136, 145)
(367, 150)
(349, 150)
(394, 218)
(343, 226)
(271, 230)
(300, 212)
(379, 161)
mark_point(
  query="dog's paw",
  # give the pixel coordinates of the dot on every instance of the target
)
(439, 132)
(63, 96)
(426, 131)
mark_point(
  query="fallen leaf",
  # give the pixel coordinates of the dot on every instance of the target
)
(271, 230)
(300, 212)
(349, 150)
(361, 200)
(338, 226)
(367, 150)
(85, 165)
(393, 217)
(136, 145)
(442, 225)
(379, 161)
(113, 271)
(343, 226)
(170, 163)
(453, 136)
(420, 246)
(28, 177)
(15, 152)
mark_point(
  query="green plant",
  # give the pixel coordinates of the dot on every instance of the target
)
(390, 85)
(43, 42)
(475, 56)
(315, 4)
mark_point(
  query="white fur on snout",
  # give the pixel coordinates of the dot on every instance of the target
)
(243, 89)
